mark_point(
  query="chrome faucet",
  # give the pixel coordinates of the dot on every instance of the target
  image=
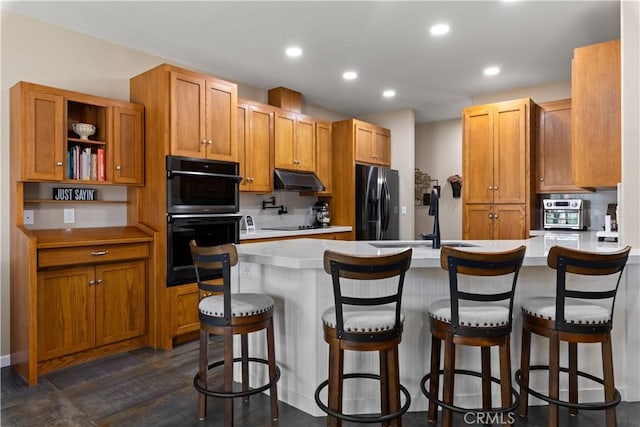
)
(434, 212)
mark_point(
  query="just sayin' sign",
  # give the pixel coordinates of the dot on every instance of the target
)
(83, 194)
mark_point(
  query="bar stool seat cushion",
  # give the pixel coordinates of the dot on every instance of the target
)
(575, 311)
(241, 305)
(363, 319)
(473, 315)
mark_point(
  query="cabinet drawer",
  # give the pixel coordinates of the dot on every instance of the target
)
(91, 254)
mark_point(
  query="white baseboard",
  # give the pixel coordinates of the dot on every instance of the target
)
(5, 360)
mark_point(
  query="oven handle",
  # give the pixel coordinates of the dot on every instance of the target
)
(236, 178)
(171, 217)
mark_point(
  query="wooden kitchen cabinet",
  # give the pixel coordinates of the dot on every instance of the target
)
(295, 146)
(203, 116)
(82, 295)
(324, 148)
(46, 148)
(494, 221)
(80, 308)
(497, 167)
(255, 146)
(596, 115)
(373, 144)
(553, 148)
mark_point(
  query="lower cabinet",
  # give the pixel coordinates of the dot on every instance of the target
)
(494, 221)
(80, 308)
(184, 309)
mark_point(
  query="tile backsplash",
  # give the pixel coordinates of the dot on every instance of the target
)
(299, 209)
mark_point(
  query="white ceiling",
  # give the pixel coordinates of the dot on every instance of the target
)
(387, 43)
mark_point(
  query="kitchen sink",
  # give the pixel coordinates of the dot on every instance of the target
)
(418, 244)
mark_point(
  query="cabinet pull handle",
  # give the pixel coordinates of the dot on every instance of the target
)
(92, 282)
(118, 167)
(99, 253)
(99, 281)
(58, 163)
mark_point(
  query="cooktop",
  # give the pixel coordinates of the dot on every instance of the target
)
(292, 227)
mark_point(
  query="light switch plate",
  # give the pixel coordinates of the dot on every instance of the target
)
(69, 216)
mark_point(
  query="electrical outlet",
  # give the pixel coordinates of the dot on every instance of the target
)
(404, 210)
(245, 271)
(69, 216)
(28, 217)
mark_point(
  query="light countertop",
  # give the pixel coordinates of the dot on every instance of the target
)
(269, 234)
(308, 253)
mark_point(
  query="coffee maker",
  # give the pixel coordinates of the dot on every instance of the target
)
(322, 215)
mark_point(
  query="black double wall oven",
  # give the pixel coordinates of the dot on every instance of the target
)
(203, 202)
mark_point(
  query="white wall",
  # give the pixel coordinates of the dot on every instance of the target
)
(439, 154)
(402, 126)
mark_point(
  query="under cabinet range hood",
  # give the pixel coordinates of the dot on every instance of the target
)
(296, 181)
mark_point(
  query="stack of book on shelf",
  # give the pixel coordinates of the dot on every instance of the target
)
(85, 163)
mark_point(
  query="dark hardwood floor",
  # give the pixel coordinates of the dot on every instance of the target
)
(154, 388)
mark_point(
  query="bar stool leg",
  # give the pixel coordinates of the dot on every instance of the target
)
(449, 375)
(573, 376)
(609, 386)
(505, 376)
(434, 380)
(393, 375)
(525, 357)
(485, 353)
(554, 377)
(228, 376)
(202, 372)
(271, 355)
(336, 370)
(244, 345)
(384, 384)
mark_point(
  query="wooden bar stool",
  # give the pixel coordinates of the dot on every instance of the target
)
(227, 314)
(571, 316)
(478, 317)
(365, 324)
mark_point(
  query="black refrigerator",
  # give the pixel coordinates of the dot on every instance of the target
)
(376, 203)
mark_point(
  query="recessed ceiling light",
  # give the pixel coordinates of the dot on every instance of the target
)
(293, 51)
(389, 93)
(349, 75)
(439, 29)
(491, 71)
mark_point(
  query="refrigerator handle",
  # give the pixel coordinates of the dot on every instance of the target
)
(386, 203)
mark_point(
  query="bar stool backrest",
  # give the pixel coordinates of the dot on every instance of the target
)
(214, 261)
(480, 264)
(340, 265)
(567, 260)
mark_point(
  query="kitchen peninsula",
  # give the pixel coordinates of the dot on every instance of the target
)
(291, 271)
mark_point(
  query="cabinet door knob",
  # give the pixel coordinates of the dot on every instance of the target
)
(491, 187)
(210, 142)
(92, 282)
(495, 188)
(495, 216)
(99, 281)
(58, 163)
(204, 141)
(490, 216)
(118, 167)
(541, 178)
